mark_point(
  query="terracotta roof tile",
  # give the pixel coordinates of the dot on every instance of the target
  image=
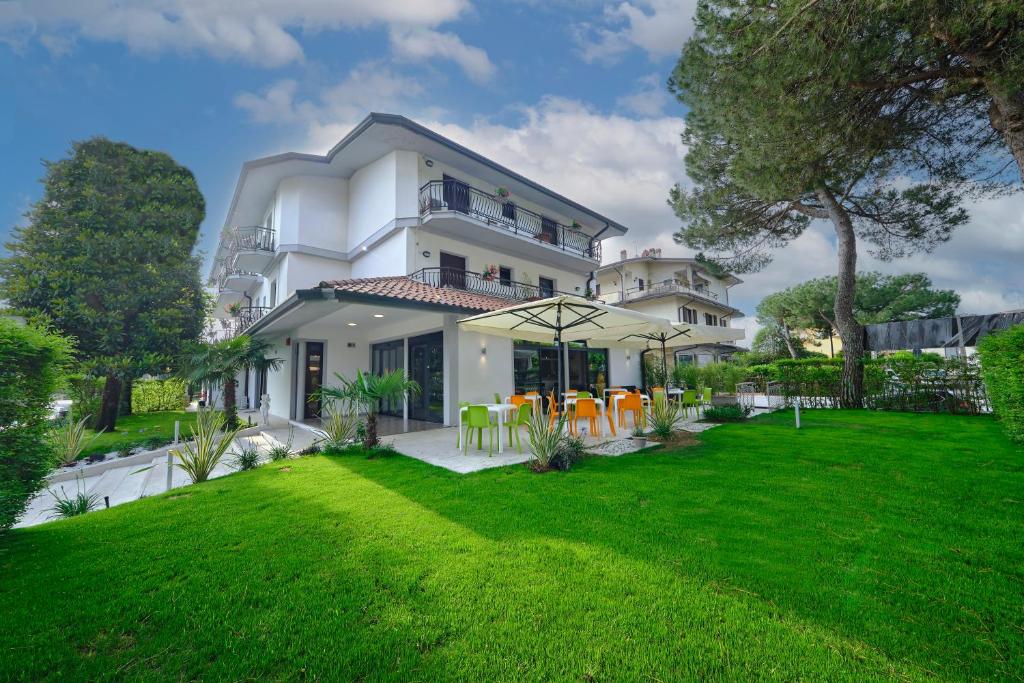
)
(407, 289)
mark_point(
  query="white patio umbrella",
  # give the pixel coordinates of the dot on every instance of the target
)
(565, 318)
(685, 333)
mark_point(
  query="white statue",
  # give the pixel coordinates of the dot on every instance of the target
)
(265, 408)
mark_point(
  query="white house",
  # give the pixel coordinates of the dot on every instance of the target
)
(366, 257)
(679, 289)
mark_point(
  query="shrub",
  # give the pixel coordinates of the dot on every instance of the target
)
(544, 442)
(282, 451)
(151, 395)
(727, 413)
(569, 453)
(67, 439)
(339, 427)
(654, 371)
(155, 442)
(310, 450)
(1002, 364)
(382, 450)
(663, 418)
(32, 366)
(207, 447)
(247, 458)
(86, 393)
(65, 506)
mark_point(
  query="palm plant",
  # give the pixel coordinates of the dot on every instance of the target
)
(663, 418)
(368, 391)
(200, 455)
(220, 363)
(545, 440)
(338, 426)
(68, 440)
(65, 506)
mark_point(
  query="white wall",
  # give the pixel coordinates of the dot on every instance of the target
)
(480, 375)
(623, 367)
(279, 381)
(372, 198)
(323, 213)
(384, 259)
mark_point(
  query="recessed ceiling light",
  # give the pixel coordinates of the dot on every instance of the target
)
(378, 315)
(352, 324)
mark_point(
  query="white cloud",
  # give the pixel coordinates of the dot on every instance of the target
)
(649, 99)
(256, 31)
(417, 44)
(659, 27)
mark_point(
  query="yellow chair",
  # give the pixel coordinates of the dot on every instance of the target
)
(585, 407)
(632, 403)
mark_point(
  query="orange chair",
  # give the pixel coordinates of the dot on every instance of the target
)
(631, 403)
(585, 407)
(517, 400)
(553, 413)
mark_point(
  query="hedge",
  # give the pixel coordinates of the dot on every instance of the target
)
(1002, 365)
(151, 395)
(32, 365)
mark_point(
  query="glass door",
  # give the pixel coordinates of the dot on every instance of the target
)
(387, 357)
(426, 367)
(314, 375)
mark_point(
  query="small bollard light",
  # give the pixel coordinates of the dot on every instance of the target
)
(177, 431)
(797, 406)
(106, 501)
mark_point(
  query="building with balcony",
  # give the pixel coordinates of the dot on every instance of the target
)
(680, 289)
(365, 258)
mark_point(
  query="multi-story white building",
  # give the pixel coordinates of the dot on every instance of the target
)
(679, 289)
(366, 257)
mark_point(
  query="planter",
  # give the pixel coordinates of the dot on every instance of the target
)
(640, 441)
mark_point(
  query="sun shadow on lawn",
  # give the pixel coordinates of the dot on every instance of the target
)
(834, 524)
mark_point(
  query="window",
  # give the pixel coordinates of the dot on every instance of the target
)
(684, 359)
(710, 319)
(505, 276)
(546, 286)
(724, 322)
(597, 291)
(688, 315)
(273, 293)
(640, 284)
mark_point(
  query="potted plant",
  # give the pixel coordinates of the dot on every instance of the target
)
(638, 436)
(234, 309)
(490, 273)
(502, 193)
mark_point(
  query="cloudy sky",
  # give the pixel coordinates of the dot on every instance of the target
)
(571, 94)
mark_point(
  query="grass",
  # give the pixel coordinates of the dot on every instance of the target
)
(136, 430)
(865, 546)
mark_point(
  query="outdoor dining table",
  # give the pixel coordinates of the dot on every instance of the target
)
(570, 402)
(497, 409)
(535, 400)
(644, 400)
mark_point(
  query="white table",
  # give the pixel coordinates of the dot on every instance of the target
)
(535, 400)
(645, 400)
(498, 409)
(602, 416)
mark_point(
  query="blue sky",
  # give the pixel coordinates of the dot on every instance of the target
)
(569, 93)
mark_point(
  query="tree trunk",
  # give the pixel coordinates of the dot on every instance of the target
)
(125, 404)
(787, 337)
(850, 331)
(230, 404)
(371, 440)
(107, 419)
(1007, 118)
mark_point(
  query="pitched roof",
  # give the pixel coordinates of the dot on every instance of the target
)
(407, 289)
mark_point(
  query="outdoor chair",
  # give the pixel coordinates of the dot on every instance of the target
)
(497, 397)
(632, 403)
(583, 394)
(517, 400)
(522, 417)
(585, 407)
(480, 419)
(705, 399)
(690, 401)
(553, 413)
(463, 411)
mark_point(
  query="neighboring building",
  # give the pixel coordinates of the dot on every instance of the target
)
(830, 346)
(366, 257)
(679, 289)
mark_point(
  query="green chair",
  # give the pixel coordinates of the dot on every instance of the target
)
(583, 394)
(705, 399)
(690, 401)
(660, 399)
(522, 417)
(497, 397)
(479, 418)
(463, 405)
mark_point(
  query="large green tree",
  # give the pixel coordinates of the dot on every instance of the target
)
(106, 256)
(773, 145)
(878, 298)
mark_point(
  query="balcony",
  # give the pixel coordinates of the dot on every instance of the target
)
(441, 198)
(228, 328)
(236, 280)
(483, 284)
(252, 248)
(666, 287)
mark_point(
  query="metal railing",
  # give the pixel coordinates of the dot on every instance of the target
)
(451, 195)
(478, 283)
(252, 238)
(229, 328)
(657, 289)
(228, 272)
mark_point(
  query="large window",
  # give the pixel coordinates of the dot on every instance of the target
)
(546, 286)
(688, 315)
(535, 366)
(710, 319)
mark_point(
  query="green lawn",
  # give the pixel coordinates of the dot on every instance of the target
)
(136, 430)
(865, 546)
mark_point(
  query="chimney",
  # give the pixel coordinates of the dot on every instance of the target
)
(622, 255)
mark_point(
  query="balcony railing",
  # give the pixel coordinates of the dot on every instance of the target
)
(253, 238)
(453, 195)
(228, 328)
(227, 273)
(657, 289)
(482, 284)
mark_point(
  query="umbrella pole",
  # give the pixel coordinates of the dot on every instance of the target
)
(664, 361)
(559, 389)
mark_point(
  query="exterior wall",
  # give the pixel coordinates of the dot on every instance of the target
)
(477, 257)
(623, 367)
(654, 272)
(482, 374)
(372, 198)
(388, 257)
(323, 213)
(279, 381)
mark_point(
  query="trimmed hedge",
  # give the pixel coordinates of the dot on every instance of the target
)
(32, 365)
(1002, 365)
(152, 395)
